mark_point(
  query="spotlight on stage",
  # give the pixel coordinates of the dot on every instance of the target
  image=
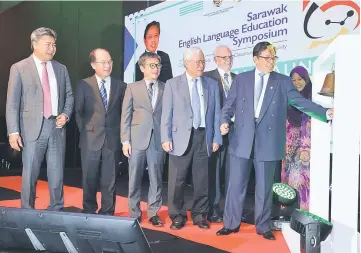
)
(286, 200)
(312, 229)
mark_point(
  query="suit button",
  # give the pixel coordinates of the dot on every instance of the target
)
(242, 111)
(189, 129)
(242, 124)
(191, 117)
(273, 102)
(243, 99)
(270, 128)
(273, 115)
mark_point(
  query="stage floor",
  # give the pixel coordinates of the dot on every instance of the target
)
(190, 239)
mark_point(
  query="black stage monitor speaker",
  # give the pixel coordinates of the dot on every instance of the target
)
(70, 232)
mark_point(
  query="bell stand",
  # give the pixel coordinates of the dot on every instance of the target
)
(342, 139)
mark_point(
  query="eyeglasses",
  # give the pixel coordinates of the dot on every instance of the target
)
(198, 62)
(154, 65)
(225, 58)
(269, 58)
(105, 62)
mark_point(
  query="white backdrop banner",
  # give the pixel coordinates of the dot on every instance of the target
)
(300, 30)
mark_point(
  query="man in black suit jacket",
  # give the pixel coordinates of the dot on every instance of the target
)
(151, 41)
(219, 160)
(98, 106)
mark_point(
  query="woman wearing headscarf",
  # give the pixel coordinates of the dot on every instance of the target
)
(296, 165)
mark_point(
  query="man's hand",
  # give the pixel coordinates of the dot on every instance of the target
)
(15, 141)
(61, 120)
(215, 147)
(330, 113)
(127, 149)
(224, 128)
(167, 146)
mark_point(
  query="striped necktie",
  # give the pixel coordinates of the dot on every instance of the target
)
(103, 94)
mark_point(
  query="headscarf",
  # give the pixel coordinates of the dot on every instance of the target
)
(295, 117)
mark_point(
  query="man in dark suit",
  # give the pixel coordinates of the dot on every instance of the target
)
(38, 106)
(140, 135)
(190, 133)
(98, 104)
(151, 41)
(219, 161)
(259, 100)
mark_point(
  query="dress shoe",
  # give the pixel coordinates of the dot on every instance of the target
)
(202, 224)
(227, 231)
(268, 235)
(215, 218)
(155, 221)
(177, 223)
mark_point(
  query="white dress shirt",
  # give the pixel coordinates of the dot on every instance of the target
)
(106, 85)
(201, 97)
(222, 72)
(52, 82)
(265, 81)
(155, 90)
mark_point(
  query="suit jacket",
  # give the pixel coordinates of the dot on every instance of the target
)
(270, 129)
(94, 122)
(24, 104)
(165, 72)
(177, 114)
(139, 118)
(216, 76)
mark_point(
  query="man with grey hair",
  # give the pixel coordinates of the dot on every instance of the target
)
(140, 135)
(219, 161)
(38, 106)
(189, 133)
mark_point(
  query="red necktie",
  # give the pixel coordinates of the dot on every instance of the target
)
(46, 91)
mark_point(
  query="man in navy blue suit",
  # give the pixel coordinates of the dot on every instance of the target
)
(259, 100)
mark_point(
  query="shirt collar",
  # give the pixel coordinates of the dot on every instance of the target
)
(156, 51)
(222, 72)
(37, 60)
(147, 82)
(189, 78)
(99, 79)
(257, 72)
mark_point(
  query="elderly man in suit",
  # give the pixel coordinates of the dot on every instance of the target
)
(38, 106)
(98, 101)
(151, 41)
(190, 133)
(259, 99)
(219, 161)
(140, 135)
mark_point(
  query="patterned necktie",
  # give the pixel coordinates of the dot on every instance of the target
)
(46, 91)
(150, 93)
(258, 90)
(226, 84)
(103, 94)
(196, 104)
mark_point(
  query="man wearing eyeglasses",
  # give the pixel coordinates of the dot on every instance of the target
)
(98, 102)
(219, 161)
(140, 135)
(190, 133)
(259, 100)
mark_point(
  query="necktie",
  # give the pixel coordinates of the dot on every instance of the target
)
(196, 104)
(226, 84)
(46, 91)
(258, 90)
(103, 94)
(150, 93)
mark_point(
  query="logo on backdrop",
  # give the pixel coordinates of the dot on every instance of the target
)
(334, 23)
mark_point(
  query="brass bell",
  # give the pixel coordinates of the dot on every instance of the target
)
(328, 88)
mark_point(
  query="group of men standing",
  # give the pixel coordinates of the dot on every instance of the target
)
(184, 117)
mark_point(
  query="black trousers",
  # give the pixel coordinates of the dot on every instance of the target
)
(195, 156)
(100, 168)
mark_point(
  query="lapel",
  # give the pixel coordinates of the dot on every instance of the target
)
(184, 88)
(145, 96)
(57, 75)
(249, 89)
(270, 90)
(34, 72)
(160, 93)
(113, 92)
(94, 85)
(205, 94)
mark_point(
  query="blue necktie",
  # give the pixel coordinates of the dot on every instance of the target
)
(103, 94)
(258, 90)
(226, 84)
(196, 105)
